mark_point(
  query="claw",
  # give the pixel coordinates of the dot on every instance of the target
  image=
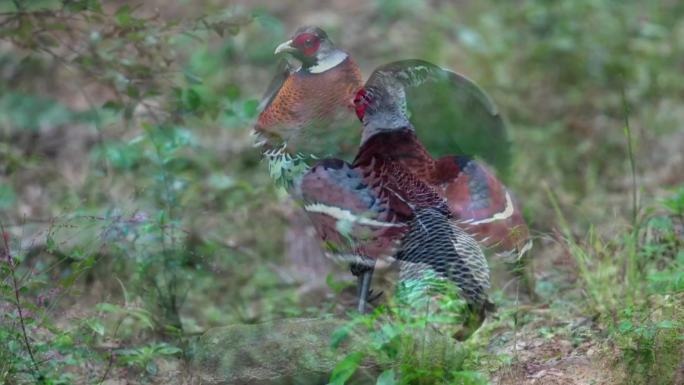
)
(372, 297)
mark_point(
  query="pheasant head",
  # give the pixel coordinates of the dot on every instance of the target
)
(381, 109)
(313, 49)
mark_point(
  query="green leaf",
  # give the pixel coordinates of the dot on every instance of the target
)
(250, 108)
(676, 203)
(336, 286)
(191, 77)
(143, 316)
(64, 341)
(123, 156)
(666, 324)
(387, 378)
(29, 112)
(108, 308)
(233, 92)
(339, 336)
(123, 16)
(7, 196)
(50, 244)
(191, 99)
(168, 350)
(221, 181)
(470, 378)
(625, 326)
(661, 223)
(96, 326)
(345, 368)
(113, 105)
(132, 91)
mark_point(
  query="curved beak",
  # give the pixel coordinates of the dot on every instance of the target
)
(285, 47)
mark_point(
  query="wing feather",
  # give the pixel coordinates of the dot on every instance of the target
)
(483, 205)
(352, 219)
(283, 71)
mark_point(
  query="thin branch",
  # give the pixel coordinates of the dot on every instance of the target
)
(15, 286)
(111, 351)
(630, 153)
(630, 262)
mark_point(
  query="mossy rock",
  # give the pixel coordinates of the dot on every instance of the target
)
(289, 351)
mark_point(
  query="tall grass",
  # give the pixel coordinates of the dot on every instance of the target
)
(617, 275)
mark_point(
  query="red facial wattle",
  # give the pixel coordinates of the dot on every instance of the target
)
(361, 103)
(307, 43)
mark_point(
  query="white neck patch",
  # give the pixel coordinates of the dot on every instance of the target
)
(330, 61)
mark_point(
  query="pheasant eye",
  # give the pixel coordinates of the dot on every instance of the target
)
(307, 43)
(361, 102)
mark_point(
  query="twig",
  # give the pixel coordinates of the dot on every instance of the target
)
(109, 367)
(15, 286)
(630, 154)
(111, 352)
(20, 8)
(116, 331)
(630, 263)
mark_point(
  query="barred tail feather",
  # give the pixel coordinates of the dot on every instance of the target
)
(436, 246)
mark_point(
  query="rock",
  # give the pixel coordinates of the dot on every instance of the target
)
(291, 351)
(298, 351)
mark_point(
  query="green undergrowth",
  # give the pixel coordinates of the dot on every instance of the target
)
(634, 287)
(412, 338)
(136, 214)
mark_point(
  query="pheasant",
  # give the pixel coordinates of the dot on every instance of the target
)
(381, 210)
(475, 196)
(311, 101)
(305, 100)
(308, 113)
(392, 201)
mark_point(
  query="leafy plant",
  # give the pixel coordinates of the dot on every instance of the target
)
(143, 357)
(412, 336)
(152, 94)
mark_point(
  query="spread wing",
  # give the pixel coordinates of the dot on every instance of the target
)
(451, 113)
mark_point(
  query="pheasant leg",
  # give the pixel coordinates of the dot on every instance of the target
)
(364, 274)
(364, 288)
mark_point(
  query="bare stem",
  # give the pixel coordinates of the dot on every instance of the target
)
(630, 259)
(15, 287)
(110, 363)
(630, 154)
